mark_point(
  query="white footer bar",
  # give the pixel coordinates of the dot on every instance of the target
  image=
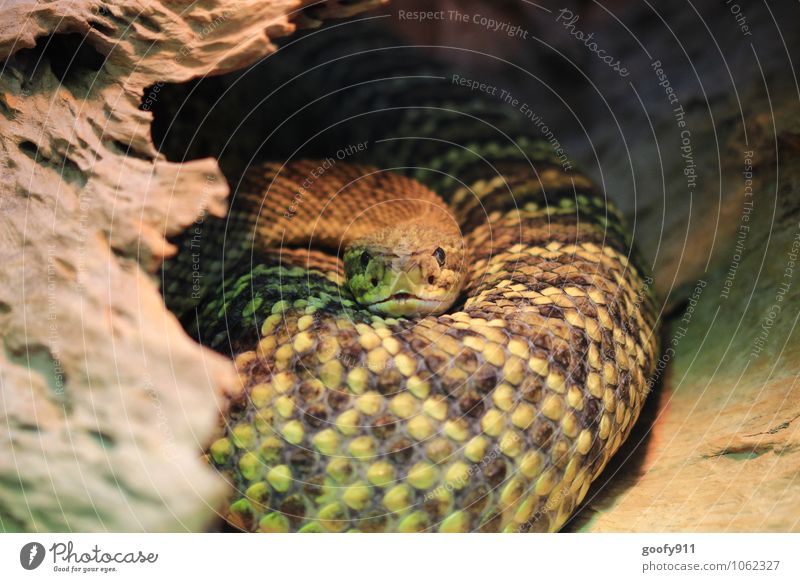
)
(406, 558)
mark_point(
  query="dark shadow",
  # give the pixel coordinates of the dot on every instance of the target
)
(71, 58)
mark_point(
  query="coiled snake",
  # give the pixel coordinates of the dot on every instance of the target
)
(472, 363)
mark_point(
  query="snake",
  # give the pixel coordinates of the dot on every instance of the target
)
(449, 333)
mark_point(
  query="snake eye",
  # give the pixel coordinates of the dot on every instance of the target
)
(439, 255)
(365, 259)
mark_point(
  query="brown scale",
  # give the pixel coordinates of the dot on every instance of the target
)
(327, 203)
(494, 417)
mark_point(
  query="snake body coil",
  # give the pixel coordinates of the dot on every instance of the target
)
(494, 416)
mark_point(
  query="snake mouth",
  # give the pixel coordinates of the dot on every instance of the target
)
(404, 297)
(401, 297)
(405, 304)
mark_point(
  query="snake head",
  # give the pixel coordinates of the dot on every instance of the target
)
(406, 270)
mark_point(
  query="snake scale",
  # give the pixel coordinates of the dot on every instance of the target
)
(494, 413)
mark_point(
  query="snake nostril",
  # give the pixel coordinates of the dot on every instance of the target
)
(431, 280)
(374, 281)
